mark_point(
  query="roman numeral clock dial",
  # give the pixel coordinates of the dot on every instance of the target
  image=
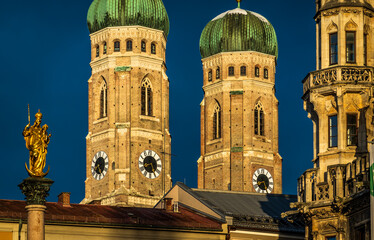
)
(150, 164)
(262, 181)
(99, 165)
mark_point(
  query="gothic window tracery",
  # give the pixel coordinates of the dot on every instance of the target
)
(103, 99)
(217, 121)
(146, 98)
(259, 122)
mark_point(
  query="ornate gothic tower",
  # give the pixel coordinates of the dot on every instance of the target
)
(239, 112)
(338, 96)
(128, 141)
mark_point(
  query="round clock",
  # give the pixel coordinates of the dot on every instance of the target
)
(262, 181)
(150, 164)
(99, 166)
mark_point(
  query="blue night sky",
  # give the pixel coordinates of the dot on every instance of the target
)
(45, 55)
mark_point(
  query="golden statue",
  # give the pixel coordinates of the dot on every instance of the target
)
(37, 140)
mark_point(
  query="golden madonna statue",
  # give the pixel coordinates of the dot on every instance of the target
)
(37, 140)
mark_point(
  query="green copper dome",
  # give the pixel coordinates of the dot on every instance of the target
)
(238, 30)
(110, 13)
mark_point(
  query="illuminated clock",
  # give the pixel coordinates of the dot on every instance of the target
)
(150, 164)
(262, 181)
(99, 165)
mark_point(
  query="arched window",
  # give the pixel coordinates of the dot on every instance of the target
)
(210, 76)
(97, 51)
(257, 71)
(153, 48)
(259, 120)
(231, 71)
(103, 100)
(104, 48)
(266, 73)
(117, 46)
(129, 45)
(143, 46)
(243, 71)
(146, 98)
(217, 121)
(218, 73)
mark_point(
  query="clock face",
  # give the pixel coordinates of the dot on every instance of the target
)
(150, 164)
(262, 181)
(99, 165)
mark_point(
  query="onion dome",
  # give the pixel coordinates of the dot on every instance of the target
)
(238, 30)
(111, 13)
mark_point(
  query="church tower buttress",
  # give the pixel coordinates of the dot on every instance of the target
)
(128, 144)
(239, 112)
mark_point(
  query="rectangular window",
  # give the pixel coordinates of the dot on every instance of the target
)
(218, 73)
(243, 71)
(143, 46)
(360, 233)
(333, 131)
(351, 129)
(231, 71)
(333, 48)
(116, 46)
(350, 38)
(210, 75)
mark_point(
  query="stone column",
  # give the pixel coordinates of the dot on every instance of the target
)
(36, 190)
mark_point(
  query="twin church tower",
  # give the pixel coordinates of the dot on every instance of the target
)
(129, 142)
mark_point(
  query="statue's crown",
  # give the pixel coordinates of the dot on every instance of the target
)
(38, 114)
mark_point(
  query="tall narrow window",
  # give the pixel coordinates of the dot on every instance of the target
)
(104, 48)
(257, 71)
(259, 120)
(103, 101)
(129, 45)
(217, 121)
(351, 129)
(243, 71)
(146, 98)
(153, 48)
(333, 48)
(350, 38)
(266, 73)
(143, 46)
(333, 131)
(365, 49)
(218, 73)
(231, 71)
(210, 75)
(116, 46)
(97, 51)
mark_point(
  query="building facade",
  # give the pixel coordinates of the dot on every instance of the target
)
(129, 143)
(239, 112)
(334, 195)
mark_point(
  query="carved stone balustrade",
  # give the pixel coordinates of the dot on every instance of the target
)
(338, 75)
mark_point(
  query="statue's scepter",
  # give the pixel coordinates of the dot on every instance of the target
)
(28, 108)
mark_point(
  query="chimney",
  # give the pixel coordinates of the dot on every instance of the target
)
(64, 199)
(168, 204)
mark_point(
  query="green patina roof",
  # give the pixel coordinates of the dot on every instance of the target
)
(238, 30)
(110, 13)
